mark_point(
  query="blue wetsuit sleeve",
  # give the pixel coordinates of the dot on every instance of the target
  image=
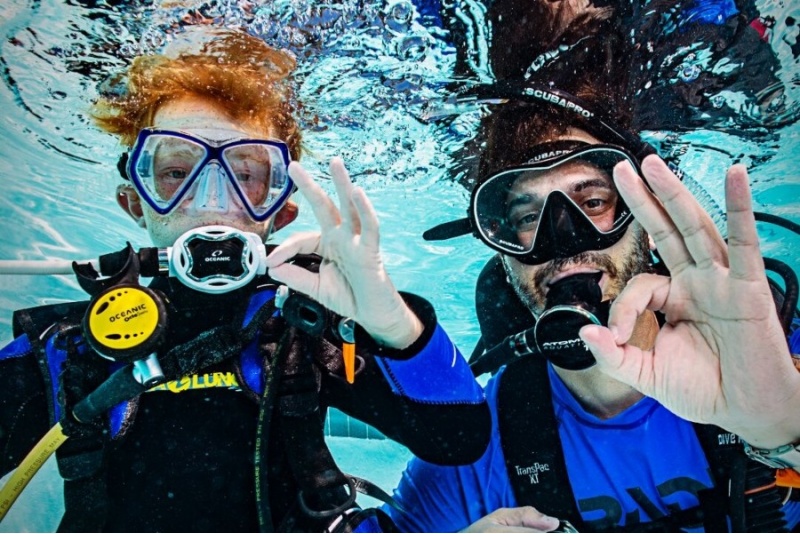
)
(431, 370)
(437, 498)
(423, 396)
(437, 374)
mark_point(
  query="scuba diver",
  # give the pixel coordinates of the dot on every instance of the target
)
(197, 403)
(647, 384)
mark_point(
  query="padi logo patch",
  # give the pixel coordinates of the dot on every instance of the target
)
(559, 101)
(532, 471)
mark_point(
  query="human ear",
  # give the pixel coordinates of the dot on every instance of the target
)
(285, 215)
(130, 202)
(651, 242)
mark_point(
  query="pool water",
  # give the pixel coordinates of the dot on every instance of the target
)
(366, 71)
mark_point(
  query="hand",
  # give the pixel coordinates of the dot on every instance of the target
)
(722, 356)
(523, 519)
(351, 280)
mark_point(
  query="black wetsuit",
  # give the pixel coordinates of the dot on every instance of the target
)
(186, 462)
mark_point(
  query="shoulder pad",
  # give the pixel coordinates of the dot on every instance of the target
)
(34, 321)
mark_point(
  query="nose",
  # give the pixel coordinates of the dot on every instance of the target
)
(557, 232)
(212, 189)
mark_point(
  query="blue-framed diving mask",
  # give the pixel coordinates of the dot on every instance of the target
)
(561, 202)
(169, 167)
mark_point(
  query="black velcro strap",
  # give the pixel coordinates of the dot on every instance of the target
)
(531, 445)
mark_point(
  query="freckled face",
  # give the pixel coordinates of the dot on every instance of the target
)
(207, 119)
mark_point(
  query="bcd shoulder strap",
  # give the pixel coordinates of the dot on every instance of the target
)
(530, 441)
(38, 324)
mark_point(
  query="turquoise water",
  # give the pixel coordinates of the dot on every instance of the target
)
(367, 70)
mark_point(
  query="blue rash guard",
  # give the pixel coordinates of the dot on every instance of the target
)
(645, 458)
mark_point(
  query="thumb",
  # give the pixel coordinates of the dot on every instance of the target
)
(602, 343)
(530, 517)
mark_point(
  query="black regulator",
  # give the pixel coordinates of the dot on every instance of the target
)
(572, 303)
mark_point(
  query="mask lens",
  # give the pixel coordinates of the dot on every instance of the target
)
(164, 166)
(259, 172)
(513, 206)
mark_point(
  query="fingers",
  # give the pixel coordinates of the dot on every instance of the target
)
(370, 235)
(682, 229)
(626, 363)
(506, 528)
(613, 347)
(652, 216)
(744, 253)
(294, 276)
(324, 210)
(344, 190)
(530, 517)
(358, 211)
(297, 278)
(352, 213)
(643, 292)
(300, 243)
(521, 519)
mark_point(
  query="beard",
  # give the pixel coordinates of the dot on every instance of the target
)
(635, 261)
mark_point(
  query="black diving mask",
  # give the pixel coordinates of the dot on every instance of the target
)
(560, 203)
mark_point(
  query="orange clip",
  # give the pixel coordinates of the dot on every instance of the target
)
(347, 334)
(787, 478)
(349, 355)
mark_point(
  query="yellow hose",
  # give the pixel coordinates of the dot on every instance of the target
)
(29, 467)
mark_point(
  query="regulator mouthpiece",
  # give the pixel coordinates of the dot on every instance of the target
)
(572, 303)
(217, 259)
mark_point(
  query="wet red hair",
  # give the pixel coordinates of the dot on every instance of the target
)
(229, 67)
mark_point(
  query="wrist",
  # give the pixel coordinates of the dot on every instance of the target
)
(424, 320)
(402, 333)
(781, 425)
(782, 457)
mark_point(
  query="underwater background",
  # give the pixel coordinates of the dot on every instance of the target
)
(369, 75)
